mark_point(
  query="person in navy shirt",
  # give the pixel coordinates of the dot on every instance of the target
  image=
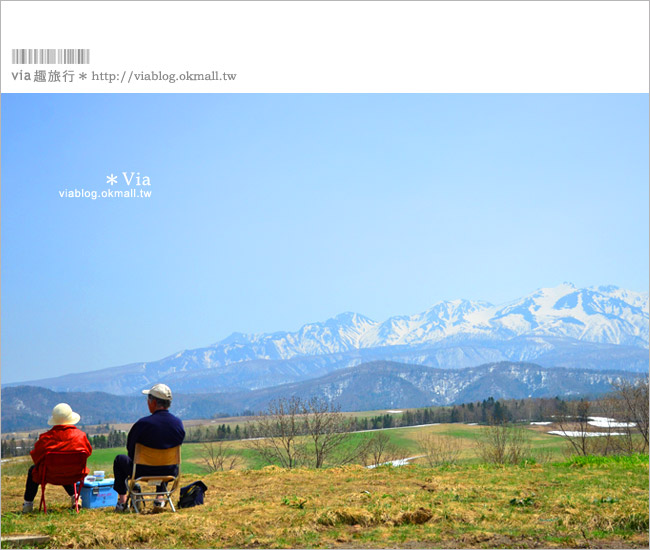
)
(160, 430)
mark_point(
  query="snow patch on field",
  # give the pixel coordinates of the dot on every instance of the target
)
(400, 462)
(581, 434)
(604, 422)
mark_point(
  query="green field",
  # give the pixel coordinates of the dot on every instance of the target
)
(568, 504)
(552, 501)
(542, 445)
(548, 446)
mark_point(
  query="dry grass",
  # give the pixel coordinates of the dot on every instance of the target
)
(551, 505)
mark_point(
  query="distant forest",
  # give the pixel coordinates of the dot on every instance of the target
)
(480, 412)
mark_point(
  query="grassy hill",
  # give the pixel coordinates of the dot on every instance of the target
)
(591, 502)
(470, 506)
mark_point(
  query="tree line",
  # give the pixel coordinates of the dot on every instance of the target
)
(282, 429)
(314, 433)
(479, 412)
(115, 438)
(17, 447)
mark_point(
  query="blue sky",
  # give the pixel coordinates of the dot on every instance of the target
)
(271, 211)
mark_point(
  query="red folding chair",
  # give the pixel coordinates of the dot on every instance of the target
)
(63, 468)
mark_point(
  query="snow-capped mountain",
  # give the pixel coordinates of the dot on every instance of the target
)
(599, 328)
(604, 315)
(339, 334)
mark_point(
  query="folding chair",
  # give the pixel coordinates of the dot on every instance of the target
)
(63, 468)
(146, 456)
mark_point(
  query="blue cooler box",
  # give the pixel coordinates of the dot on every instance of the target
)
(98, 494)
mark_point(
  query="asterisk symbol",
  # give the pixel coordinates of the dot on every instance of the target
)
(82, 76)
(111, 179)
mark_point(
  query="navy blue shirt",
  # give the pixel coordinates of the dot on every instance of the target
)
(160, 430)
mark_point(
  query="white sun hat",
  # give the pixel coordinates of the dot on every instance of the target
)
(62, 415)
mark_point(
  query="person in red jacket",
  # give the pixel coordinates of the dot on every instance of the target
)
(64, 436)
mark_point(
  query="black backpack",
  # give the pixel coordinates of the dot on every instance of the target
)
(192, 494)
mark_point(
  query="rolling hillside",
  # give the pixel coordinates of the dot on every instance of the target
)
(375, 385)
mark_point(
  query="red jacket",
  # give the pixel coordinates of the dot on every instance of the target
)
(59, 438)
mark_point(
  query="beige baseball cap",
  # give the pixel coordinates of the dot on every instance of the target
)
(161, 391)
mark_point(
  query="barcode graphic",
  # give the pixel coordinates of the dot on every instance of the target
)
(50, 57)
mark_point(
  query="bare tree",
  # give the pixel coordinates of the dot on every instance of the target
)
(620, 437)
(217, 458)
(631, 399)
(275, 434)
(574, 426)
(503, 443)
(379, 450)
(439, 449)
(327, 429)
(293, 432)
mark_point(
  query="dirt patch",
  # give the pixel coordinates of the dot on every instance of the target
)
(417, 517)
(347, 516)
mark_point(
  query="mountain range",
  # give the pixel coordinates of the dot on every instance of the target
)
(385, 385)
(600, 328)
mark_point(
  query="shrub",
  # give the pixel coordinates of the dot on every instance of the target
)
(439, 449)
(503, 444)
